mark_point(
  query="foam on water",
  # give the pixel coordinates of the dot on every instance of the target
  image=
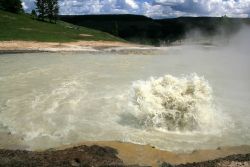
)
(49, 100)
(176, 104)
(44, 111)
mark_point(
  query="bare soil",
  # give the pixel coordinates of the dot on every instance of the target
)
(97, 156)
(32, 46)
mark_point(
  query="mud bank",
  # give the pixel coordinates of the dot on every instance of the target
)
(124, 154)
(33, 46)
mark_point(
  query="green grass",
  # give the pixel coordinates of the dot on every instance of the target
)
(23, 27)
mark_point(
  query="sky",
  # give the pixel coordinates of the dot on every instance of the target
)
(152, 8)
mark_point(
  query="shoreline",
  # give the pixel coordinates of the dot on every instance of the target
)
(115, 153)
(33, 46)
(149, 155)
(15, 47)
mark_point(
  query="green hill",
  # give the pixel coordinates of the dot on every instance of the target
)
(23, 27)
(141, 29)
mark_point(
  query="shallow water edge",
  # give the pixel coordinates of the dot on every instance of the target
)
(125, 154)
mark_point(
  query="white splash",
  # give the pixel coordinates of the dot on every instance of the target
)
(175, 104)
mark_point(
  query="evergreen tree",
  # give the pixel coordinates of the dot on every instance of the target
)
(41, 9)
(33, 14)
(47, 9)
(52, 10)
(14, 6)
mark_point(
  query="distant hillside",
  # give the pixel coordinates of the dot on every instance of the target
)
(146, 30)
(23, 27)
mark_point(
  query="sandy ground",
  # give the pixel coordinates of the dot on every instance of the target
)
(22, 46)
(148, 155)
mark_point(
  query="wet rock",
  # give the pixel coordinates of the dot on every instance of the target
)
(233, 160)
(96, 156)
(165, 164)
(76, 162)
(76, 156)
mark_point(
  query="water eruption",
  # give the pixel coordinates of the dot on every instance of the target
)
(60, 102)
(175, 104)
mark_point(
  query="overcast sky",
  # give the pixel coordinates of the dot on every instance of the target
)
(153, 8)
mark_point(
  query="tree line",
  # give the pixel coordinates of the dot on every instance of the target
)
(144, 30)
(45, 9)
(14, 6)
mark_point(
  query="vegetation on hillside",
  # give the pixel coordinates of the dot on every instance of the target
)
(47, 9)
(14, 6)
(149, 31)
(23, 27)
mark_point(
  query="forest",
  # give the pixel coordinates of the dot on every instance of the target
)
(145, 30)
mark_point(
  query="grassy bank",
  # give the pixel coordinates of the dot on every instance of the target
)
(23, 27)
